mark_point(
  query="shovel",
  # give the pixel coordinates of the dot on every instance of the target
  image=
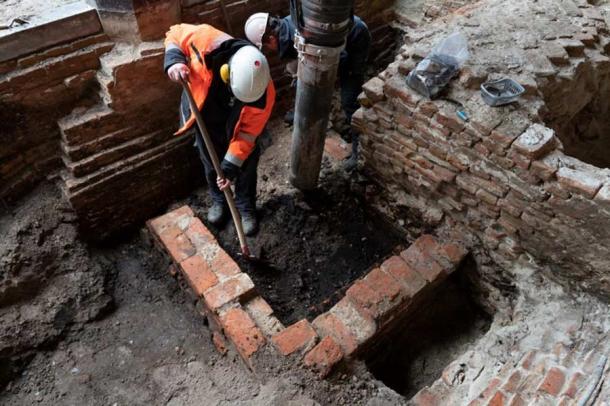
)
(245, 250)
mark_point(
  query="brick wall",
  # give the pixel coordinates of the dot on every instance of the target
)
(45, 71)
(98, 108)
(502, 177)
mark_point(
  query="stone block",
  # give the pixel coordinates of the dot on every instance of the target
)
(536, 141)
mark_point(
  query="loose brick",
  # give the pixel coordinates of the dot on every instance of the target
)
(553, 381)
(412, 282)
(198, 275)
(324, 356)
(298, 337)
(536, 141)
(176, 243)
(423, 263)
(374, 89)
(242, 332)
(336, 148)
(579, 181)
(328, 324)
(230, 290)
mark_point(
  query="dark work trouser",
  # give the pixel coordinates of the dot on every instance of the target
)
(245, 183)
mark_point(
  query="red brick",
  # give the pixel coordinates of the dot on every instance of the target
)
(490, 389)
(298, 337)
(425, 397)
(223, 266)
(553, 381)
(449, 121)
(176, 243)
(516, 400)
(411, 281)
(219, 342)
(328, 324)
(423, 263)
(199, 235)
(358, 322)
(528, 360)
(454, 252)
(242, 332)
(498, 399)
(382, 283)
(169, 219)
(198, 274)
(336, 148)
(578, 181)
(230, 290)
(324, 356)
(574, 385)
(428, 244)
(512, 382)
(368, 299)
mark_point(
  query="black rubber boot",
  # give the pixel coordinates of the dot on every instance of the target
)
(249, 223)
(217, 214)
(351, 163)
(289, 117)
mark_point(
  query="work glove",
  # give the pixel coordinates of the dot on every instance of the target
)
(229, 170)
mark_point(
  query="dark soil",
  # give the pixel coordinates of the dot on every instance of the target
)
(314, 245)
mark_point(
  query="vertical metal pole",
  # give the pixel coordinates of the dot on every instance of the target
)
(322, 26)
(316, 82)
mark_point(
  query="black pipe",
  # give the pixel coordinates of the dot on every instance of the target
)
(322, 26)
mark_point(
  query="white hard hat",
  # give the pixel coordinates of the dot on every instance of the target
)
(255, 28)
(249, 74)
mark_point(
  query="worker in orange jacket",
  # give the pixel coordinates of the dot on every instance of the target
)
(230, 82)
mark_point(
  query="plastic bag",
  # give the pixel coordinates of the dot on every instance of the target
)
(432, 74)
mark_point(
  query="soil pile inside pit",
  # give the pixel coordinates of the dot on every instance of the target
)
(47, 280)
(314, 246)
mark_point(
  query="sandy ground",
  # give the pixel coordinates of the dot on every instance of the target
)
(26, 9)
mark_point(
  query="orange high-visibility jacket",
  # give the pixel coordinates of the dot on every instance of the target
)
(252, 120)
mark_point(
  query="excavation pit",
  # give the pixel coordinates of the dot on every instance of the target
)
(313, 246)
(415, 352)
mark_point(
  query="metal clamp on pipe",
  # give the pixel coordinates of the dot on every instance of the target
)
(322, 28)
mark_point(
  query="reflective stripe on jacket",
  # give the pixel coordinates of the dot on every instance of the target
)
(195, 41)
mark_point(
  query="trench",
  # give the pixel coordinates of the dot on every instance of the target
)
(313, 246)
(579, 112)
(414, 353)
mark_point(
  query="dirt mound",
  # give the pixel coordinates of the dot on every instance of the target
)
(47, 281)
